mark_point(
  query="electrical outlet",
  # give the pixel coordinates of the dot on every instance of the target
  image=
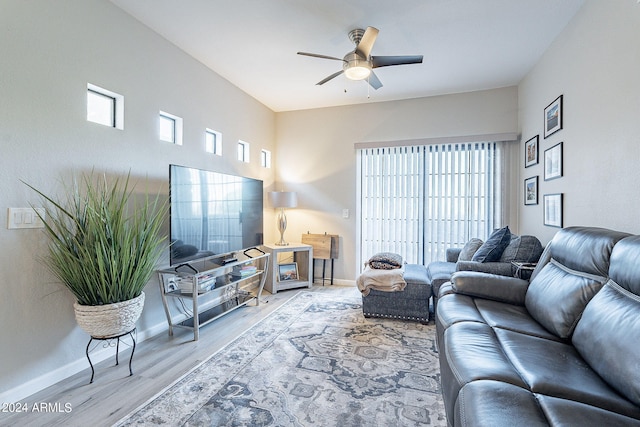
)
(24, 218)
(345, 213)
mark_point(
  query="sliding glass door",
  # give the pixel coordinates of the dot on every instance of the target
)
(419, 200)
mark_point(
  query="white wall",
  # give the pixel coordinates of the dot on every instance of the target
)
(316, 156)
(49, 52)
(595, 64)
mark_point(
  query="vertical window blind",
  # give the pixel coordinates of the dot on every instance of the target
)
(419, 200)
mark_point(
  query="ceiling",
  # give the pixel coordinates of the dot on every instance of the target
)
(468, 45)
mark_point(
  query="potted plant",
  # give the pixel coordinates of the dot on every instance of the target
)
(103, 246)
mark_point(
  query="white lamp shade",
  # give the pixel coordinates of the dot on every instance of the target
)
(283, 199)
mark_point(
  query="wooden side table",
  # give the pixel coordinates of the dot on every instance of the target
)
(302, 255)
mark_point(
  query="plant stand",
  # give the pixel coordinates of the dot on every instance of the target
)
(109, 343)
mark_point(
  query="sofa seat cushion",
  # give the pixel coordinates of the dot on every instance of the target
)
(565, 412)
(441, 270)
(510, 406)
(473, 352)
(511, 317)
(557, 369)
(454, 308)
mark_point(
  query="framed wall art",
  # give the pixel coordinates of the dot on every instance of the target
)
(531, 190)
(531, 152)
(553, 210)
(287, 272)
(553, 117)
(553, 162)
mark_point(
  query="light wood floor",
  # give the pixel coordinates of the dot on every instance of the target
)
(157, 363)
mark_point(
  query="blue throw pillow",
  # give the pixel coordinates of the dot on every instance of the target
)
(492, 249)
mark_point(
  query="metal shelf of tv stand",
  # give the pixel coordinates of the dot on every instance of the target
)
(240, 299)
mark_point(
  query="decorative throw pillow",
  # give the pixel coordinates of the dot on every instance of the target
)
(469, 249)
(385, 261)
(492, 249)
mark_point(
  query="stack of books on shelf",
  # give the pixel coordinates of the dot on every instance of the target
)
(205, 283)
(240, 271)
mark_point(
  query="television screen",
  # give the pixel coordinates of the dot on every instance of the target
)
(213, 213)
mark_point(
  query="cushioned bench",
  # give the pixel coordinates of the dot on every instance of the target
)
(410, 304)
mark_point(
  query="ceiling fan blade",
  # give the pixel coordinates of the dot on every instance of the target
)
(326, 79)
(315, 55)
(366, 43)
(385, 61)
(374, 81)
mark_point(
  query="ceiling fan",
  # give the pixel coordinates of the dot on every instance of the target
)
(359, 64)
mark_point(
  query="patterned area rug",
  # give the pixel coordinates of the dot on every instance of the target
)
(315, 361)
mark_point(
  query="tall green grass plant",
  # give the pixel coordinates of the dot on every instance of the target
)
(103, 244)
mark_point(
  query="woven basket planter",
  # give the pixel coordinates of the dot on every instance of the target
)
(109, 320)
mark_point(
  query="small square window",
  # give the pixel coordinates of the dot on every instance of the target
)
(105, 107)
(170, 128)
(265, 158)
(213, 142)
(243, 151)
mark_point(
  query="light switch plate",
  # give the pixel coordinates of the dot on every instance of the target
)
(24, 218)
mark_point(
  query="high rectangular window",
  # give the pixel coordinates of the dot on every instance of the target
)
(243, 151)
(170, 128)
(213, 142)
(265, 158)
(105, 107)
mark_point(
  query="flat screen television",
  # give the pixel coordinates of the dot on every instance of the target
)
(212, 213)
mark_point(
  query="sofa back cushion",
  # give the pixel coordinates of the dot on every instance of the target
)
(469, 249)
(585, 249)
(522, 249)
(492, 249)
(557, 296)
(608, 333)
(578, 269)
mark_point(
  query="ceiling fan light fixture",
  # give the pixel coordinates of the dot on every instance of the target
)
(358, 72)
(356, 68)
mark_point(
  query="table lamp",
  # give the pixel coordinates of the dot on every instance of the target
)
(282, 200)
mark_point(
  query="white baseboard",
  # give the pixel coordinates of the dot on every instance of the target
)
(35, 385)
(340, 282)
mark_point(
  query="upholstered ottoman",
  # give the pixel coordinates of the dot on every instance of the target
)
(410, 304)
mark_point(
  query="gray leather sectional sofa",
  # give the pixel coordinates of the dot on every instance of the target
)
(563, 349)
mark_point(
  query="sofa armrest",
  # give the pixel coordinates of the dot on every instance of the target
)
(490, 286)
(452, 254)
(500, 268)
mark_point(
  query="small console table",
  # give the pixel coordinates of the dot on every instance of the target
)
(302, 256)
